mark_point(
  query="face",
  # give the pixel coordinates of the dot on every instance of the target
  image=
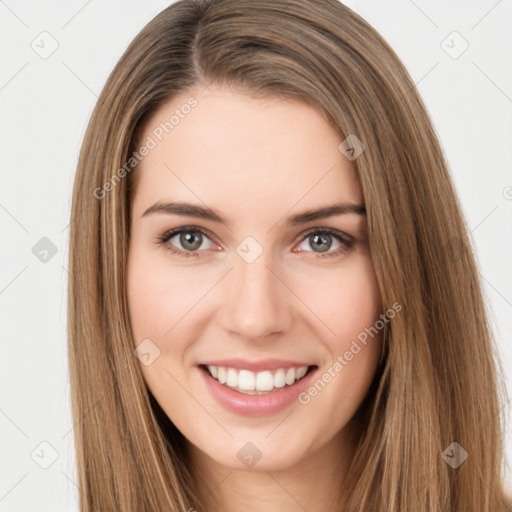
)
(244, 282)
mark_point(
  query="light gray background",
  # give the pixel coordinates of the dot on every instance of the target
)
(45, 106)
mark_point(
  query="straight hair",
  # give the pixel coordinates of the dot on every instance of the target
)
(439, 382)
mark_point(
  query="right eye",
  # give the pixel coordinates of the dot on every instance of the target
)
(191, 239)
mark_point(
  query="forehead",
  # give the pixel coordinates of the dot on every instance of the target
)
(227, 147)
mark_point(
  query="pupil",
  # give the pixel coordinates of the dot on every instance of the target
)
(194, 241)
(322, 242)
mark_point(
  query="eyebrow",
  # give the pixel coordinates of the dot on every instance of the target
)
(204, 212)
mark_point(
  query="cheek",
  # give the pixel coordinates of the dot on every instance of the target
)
(159, 297)
(350, 306)
(345, 302)
(161, 300)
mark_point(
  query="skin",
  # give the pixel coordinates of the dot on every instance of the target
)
(256, 162)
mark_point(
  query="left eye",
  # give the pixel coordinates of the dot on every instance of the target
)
(322, 239)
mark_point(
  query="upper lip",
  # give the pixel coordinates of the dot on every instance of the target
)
(264, 364)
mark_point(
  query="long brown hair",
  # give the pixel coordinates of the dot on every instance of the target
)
(439, 382)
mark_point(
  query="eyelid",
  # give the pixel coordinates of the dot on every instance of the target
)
(331, 231)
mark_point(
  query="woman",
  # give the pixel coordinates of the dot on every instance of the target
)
(218, 358)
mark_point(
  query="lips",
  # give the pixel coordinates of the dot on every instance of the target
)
(256, 403)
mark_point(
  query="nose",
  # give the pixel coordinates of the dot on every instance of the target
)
(257, 302)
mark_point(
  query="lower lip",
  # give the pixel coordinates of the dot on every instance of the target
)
(256, 405)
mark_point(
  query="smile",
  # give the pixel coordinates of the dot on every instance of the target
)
(256, 393)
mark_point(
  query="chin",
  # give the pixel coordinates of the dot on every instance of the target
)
(255, 453)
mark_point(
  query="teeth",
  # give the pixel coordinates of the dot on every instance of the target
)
(221, 375)
(245, 380)
(250, 382)
(231, 378)
(279, 378)
(301, 372)
(264, 381)
(213, 371)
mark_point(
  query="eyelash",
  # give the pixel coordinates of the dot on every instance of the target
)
(346, 241)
